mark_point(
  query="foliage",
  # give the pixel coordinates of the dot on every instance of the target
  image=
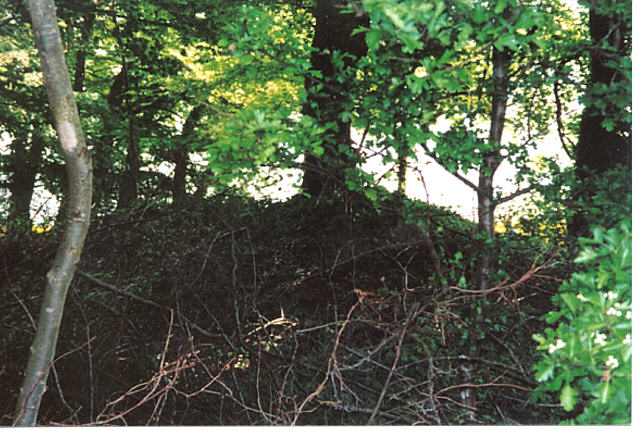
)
(221, 99)
(588, 357)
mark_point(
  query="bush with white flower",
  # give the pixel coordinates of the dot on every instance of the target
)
(588, 358)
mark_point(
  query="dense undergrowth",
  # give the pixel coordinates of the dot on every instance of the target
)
(233, 311)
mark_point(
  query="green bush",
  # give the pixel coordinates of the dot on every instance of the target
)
(588, 358)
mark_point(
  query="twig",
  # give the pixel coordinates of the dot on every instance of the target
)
(389, 377)
(135, 297)
(513, 195)
(331, 360)
(21, 410)
(559, 121)
(222, 113)
(529, 274)
(152, 393)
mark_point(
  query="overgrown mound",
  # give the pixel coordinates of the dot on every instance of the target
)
(232, 311)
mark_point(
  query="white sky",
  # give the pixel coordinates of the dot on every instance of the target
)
(441, 188)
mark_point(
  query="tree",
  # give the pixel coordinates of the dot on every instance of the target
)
(26, 155)
(468, 77)
(181, 153)
(334, 50)
(78, 160)
(604, 139)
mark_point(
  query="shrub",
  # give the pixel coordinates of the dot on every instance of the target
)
(588, 358)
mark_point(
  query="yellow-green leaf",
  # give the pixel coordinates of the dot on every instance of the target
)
(568, 397)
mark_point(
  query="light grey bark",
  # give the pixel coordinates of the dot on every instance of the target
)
(79, 173)
(491, 161)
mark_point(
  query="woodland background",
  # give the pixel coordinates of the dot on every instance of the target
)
(194, 302)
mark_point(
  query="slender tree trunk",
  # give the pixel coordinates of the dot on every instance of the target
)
(402, 159)
(119, 99)
(491, 161)
(80, 56)
(402, 175)
(78, 163)
(24, 169)
(180, 156)
(130, 177)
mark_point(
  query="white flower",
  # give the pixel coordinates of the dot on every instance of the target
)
(614, 312)
(611, 362)
(627, 339)
(559, 345)
(611, 295)
(601, 339)
(420, 72)
(628, 315)
(580, 297)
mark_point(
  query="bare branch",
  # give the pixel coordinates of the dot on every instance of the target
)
(513, 195)
(148, 302)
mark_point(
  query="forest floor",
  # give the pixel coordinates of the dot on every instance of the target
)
(231, 311)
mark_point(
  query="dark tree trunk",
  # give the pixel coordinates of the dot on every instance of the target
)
(333, 32)
(180, 156)
(78, 164)
(80, 56)
(129, 179)
(490, 162)
(23, 167)
(598, 149)
(120, 100)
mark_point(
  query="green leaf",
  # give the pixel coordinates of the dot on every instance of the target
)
(571, 301)
(373, 36)
(553, 316)
(587, 254)
(568, 397)
(604, 392)
(545, 371)
(371, 194)
(538, 338)
(500, 6)
(608, 124)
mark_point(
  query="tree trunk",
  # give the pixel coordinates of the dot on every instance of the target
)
(402, 176)
(491, 161)
(130, 177)
(120, 99)
(333, 32)
(24, 169)
(599, 149)
(180, 156)
(80, 56)
(78, 164)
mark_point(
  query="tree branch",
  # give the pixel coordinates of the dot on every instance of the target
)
(559, 121)
(513, 195)
(148, 302)
(456, 175)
